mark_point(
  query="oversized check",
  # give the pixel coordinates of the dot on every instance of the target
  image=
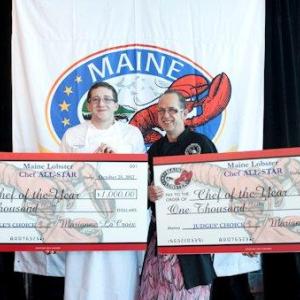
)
(73, 201)
(234, 202)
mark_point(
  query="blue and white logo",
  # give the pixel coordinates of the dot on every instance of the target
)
(140, 74)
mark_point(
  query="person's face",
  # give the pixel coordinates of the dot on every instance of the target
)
(170, 115)
(102, 105)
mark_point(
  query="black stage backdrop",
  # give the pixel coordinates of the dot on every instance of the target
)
(281, 130)
(282, 123)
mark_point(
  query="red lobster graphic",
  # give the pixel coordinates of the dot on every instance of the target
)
(185, 176)
(219, 91)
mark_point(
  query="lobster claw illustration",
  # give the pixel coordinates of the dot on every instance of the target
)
(214, 103)
(185, 176)
(190, 86)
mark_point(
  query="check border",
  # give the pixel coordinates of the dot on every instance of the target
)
(222, 157)
(71, 157)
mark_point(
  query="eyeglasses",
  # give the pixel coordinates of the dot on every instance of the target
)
(105, 99)
(171, 111)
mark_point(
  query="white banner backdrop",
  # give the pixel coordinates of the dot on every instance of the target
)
(60, 48)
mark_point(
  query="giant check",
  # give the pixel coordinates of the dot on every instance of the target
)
(73, 201)
(235, 202)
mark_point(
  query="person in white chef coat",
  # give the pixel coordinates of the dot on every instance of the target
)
(92, 275)
(100, 274)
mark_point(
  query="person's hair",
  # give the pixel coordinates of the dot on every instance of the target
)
(102, 84)
(180, 97)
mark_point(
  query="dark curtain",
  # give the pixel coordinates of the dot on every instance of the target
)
(282, 81)
(11, 284)
(281, 129)
(282, 123)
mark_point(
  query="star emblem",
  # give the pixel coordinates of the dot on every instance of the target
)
(78, 79)
(68, 90)
(64, 106)
(66, 121)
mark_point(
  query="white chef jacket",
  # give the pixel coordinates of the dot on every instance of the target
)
(85, 138)
(103, 275)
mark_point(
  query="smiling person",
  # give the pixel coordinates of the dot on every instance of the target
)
(175, 276)
(97, 275)
(102, 134)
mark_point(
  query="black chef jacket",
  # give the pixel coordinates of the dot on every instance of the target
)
(197, 269)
